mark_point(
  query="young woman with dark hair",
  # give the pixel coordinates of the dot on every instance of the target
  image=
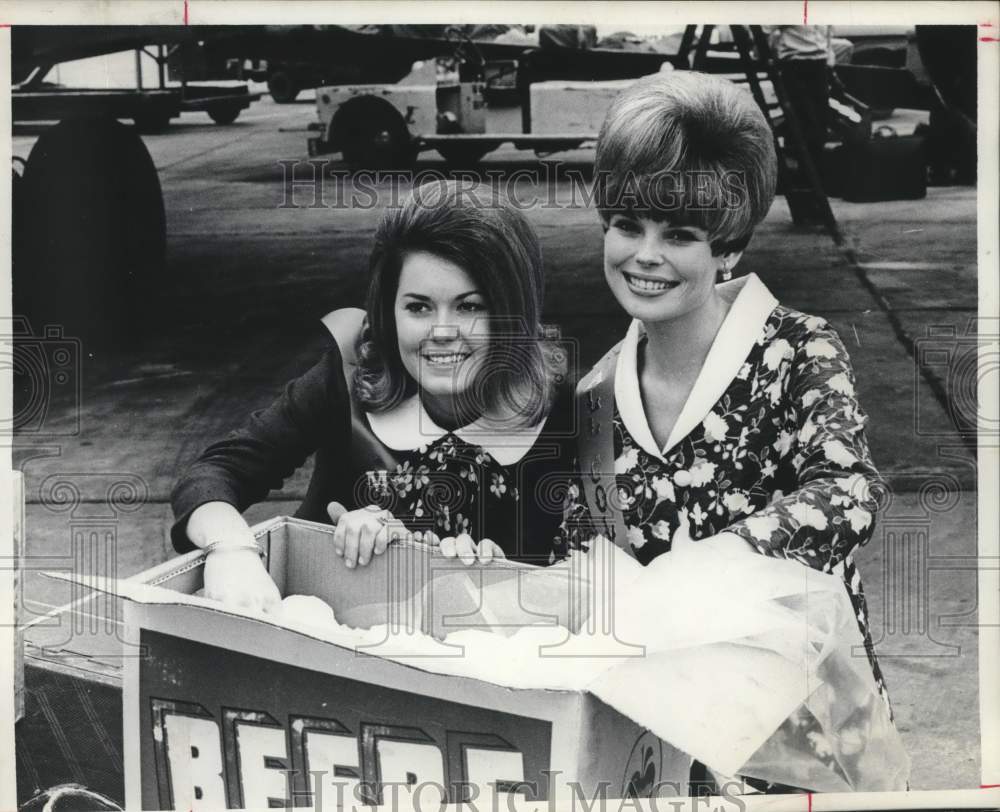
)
(436, 412)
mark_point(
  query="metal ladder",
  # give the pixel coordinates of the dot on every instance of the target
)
(803, 189)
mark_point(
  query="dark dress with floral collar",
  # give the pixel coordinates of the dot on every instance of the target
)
(453, 485)
(780, 460)
(445, 482)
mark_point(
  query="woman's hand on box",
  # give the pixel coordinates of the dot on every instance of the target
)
(238, 578)
(465, 549)
(364, 533)
(234, 573)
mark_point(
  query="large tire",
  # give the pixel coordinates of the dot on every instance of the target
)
(17, 220)
(20, 243)
(94, 231)
(224, 112)
(373, 135)
(282, 87)
(151, 123)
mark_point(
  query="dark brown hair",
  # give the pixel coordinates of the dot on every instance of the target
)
(484, 235)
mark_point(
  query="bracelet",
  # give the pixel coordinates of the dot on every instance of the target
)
(211, 547)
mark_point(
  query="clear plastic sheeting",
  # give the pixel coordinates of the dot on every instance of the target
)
(832, 745)
(755, 666)
(752, 665)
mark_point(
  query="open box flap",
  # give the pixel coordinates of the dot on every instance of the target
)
(359, 599)
(454, 659)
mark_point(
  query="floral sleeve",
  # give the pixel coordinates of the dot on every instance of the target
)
(576, 529)
(830, 511)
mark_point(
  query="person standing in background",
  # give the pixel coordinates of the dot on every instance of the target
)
(805, 55)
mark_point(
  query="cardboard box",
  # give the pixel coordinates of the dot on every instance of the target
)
(227, 710)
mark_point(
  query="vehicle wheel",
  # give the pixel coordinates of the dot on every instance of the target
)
(94, 230)
(283, 88)
(463, 155)
(373, 135)
(18, 247)
(224, 113)
(152, 123)
(17, 195)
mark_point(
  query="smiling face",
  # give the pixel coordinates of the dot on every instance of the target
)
(659, 272)
(441, 325)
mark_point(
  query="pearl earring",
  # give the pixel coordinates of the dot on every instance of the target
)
(724, 273)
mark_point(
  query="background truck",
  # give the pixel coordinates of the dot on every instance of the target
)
(463, 112)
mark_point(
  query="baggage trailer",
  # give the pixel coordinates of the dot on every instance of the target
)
(33, 99)
(109, 223)
(463, 115)
(150, 110)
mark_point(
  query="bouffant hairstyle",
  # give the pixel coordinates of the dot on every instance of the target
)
(688, 148)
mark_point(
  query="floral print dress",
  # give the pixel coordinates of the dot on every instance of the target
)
(455, 485)
(770, 447)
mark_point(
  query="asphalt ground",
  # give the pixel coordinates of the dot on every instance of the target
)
(251, 268)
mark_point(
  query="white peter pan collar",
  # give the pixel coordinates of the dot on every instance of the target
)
(752, 305)
(407, 427)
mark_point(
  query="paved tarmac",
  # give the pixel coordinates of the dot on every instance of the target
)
(249, 277)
